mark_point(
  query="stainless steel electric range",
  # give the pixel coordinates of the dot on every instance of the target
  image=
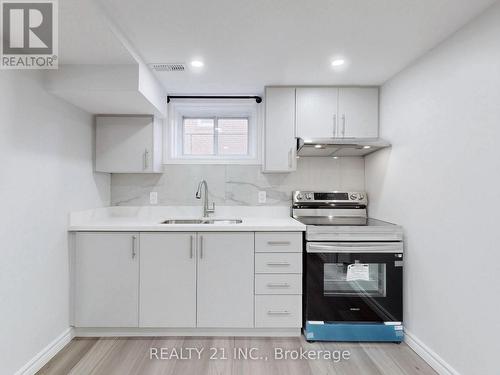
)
(353, 268)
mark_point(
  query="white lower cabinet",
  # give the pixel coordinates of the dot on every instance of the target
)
(278, 280)
(196, 280)
(278, 263)
(189, 280)
(225, 279)
(168, 280)
(283, 311)
(281, 283)
(106, 280)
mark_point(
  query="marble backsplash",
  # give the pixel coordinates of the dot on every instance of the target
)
(231, 185)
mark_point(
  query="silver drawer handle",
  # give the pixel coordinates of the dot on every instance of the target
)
(134, 240)
(278, 263)
(278, 312)
(191, 247)
(201, 247)
(278, 285)
(278, 243)
(343, 125)
(146, 159)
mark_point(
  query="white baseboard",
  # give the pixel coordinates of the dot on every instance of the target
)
(429, 356)
(46, 354)
(139, 332)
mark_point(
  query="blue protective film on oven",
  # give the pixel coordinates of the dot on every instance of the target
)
(369, 332)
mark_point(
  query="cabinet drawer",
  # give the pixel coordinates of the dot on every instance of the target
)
(277, 242)
(278, 311)
(278, 284)
(278, 263)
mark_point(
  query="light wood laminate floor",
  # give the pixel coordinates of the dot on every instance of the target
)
(131, 356)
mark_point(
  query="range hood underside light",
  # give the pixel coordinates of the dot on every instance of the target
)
(339, 147)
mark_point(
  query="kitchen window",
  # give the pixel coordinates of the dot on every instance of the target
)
(217, 132)
(215, 136)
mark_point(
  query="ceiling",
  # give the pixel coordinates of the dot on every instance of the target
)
(246, 45)
(85, 36)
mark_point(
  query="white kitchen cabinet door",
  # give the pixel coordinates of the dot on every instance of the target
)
(128, 144)
(317, 115)
(280, 143)
(167, 280)
(225, 279)
(358, 112)
(106, 279)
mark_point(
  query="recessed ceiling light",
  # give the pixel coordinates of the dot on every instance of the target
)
(318, 146)
(335, 157)
(197, 64)
(338, 62)
(367, 147)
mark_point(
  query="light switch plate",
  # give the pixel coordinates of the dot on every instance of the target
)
(262, 197)
(153, 197)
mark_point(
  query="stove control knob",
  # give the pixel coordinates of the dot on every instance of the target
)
(299, 196)
(354, 197)
(309, 196)
(361, 196)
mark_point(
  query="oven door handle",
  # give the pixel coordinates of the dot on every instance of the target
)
(365, 247)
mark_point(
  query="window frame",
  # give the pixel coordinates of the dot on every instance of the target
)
(216, 109)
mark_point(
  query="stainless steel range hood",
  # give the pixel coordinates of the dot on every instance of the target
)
(329, 147)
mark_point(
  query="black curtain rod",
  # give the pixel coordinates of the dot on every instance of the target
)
(258, 99)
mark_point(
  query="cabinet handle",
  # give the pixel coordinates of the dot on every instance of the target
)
(201, 247)
(334, 125)
(134, 240)
(343, 125)
(146, 159)
(290, 152)
(278, 263)
(278, 285)
(278, 312)
(191, 247)
(278, 243)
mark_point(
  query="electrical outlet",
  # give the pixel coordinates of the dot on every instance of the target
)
(153, 197)
(262, 197)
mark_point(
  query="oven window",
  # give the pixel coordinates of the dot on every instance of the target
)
(357, 279)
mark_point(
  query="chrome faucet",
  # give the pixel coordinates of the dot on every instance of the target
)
(207, 209)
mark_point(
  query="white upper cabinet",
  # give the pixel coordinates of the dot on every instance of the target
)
(317, 112)
(345, 112)
(358, 110)
(280, 143)
(128, 144)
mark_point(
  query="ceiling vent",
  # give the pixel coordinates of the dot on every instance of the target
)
(168, 67)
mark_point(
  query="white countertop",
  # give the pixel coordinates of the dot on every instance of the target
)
(149, 218)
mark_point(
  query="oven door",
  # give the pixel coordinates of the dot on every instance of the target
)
(354, 282)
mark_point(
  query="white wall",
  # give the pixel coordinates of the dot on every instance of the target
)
(441, 181)
(45, 172)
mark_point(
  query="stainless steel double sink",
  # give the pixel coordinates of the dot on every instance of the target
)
(202, 221)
